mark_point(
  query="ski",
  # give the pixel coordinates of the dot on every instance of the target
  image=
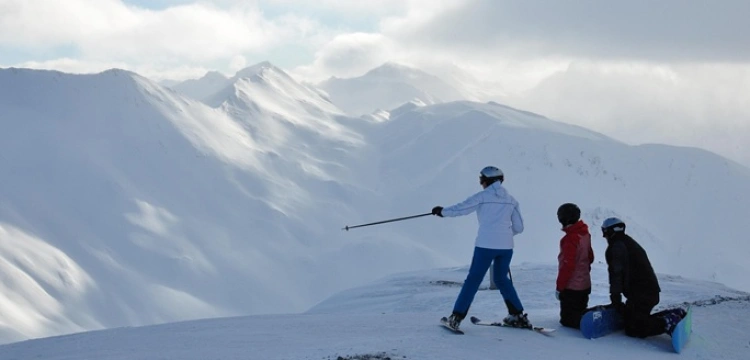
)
(444, 322)
(542, 330)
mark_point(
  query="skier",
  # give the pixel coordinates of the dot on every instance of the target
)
(499, 220)
(574, 266)
(631, 274)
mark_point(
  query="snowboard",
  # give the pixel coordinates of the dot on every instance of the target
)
(681, 333)
(477, 321)
(600, 321)
(444, 322)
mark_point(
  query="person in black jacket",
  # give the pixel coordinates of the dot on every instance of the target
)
(631, 275)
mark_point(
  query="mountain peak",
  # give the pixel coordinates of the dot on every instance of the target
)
(258, 69)
(387, 87)
(393, 70)
(117, 72)
(214, 75)
(202, 88)
(264, 86)
(214, 87)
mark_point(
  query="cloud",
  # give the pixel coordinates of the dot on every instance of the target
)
(198, 34)
(700, 105)
(213, 34)
(351, 7)
(107, 29)
(237, 63)
(354, 53)
(670, 30)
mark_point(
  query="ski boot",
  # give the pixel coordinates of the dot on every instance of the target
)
(517, 320)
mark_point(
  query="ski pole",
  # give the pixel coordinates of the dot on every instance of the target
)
(386, 221)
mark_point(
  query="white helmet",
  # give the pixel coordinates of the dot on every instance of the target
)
(612, 225)
(490, 174)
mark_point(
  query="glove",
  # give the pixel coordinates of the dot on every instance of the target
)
(437, 210)
(557, 295)
(616, 299)
(616, 303)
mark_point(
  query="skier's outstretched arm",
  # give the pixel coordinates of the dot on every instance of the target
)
(465, 207)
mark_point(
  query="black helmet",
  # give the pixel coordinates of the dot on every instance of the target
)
(568, 214)
(490, 174)
(612, 225)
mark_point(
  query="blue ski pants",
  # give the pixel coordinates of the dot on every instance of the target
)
(480, 263)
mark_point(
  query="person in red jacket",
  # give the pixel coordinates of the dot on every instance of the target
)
(574, 271)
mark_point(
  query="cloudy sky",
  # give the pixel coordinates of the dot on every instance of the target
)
(669, 71)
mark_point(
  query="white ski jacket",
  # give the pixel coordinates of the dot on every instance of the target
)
(498, 214)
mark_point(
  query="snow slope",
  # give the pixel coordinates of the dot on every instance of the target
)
(683, 204)
(124, 203)
(396, 318)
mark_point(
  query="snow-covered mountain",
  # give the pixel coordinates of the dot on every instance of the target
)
(125, 203)
(386, 87)
(396, 318)
(202, 88)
